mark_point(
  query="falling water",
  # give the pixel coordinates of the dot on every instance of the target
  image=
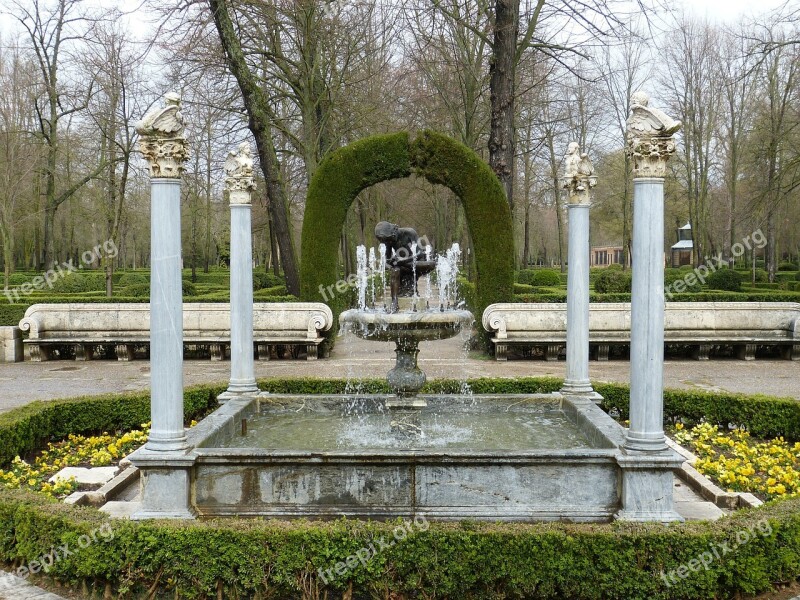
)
(428, 249)
(361, 276)
(372, 268)
(414, 272)
(382, 253)
(446, 275)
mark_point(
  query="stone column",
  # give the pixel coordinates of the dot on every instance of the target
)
(647, 462)
(165, 150)
(165, 479)
(239, 184)
(650, 145)
(578, 180)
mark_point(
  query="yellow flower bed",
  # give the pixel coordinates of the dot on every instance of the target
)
(769, 469)
(76, 450)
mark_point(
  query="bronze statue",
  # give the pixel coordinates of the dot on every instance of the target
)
(405, 266)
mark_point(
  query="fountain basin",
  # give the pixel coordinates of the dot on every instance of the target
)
(418, 326)
(407, 330)
(292, 469)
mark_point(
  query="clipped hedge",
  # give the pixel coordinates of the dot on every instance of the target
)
(441, 160)
(463, 561)
(24, 429)
(469, 560)
(11, 314)
(726, 280)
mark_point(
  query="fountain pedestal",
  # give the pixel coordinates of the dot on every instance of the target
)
(406, 330)
(406, 379)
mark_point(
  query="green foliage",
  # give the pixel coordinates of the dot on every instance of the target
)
(278, 290)
(797, 277)
(262, 280)
(466, 292)
(613, 280)
(447, 561)
(671, 276)
(25, 429)
(725, 279)
(189, 288)
(74, 283)
(523, 288)
(129, 279)
(349, 170)
(788, 266)
(761, 276)
(139, 290)
(11, 314)
(540, 277)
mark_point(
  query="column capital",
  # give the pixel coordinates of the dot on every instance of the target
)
(649, 138)
(239, 180)
(579, 177)
(161, 139)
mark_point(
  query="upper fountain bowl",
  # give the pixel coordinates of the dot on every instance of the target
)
(419, 326)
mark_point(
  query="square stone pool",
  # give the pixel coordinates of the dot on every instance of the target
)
(521, 457)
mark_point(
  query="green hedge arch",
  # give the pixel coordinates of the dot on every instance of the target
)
(440, 159)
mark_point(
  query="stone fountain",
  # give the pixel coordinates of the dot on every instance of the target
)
(513, 457)
(407, 260)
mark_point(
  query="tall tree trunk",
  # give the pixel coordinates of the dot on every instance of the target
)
(260, 125)
(502, 89)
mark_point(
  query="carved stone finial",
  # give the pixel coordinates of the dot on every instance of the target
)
(579, 177)
(161, 138)
(649, 138)
(239, 180)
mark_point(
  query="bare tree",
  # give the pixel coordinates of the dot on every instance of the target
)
(49, 28)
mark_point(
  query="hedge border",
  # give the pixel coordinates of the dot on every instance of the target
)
(276, 559)
(441, 160)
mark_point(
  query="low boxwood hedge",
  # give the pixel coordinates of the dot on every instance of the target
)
(468, 560)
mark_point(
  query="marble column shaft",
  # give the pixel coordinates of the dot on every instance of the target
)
(242, 369)
(166, 317)
(577, 377)
(647, 317)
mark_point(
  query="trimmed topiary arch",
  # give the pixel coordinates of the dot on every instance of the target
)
(440, 159)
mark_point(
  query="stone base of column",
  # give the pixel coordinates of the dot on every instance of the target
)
(580, 388)
(651, 443)
(239, 390)
(165, 484)
(647, 486)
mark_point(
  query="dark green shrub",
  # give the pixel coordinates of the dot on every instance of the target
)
(545, 278)
(686, 267)
(139, 290)
(11, 314)
(279, 290)
(75, 283)
(672, 276)
(262, 280)
(788, 266)
(129, 279)
(466, 292)
(761, 276)
(614, 280)
(189, 288)
(523, 288)
(18, 278)
(725, 279)
(797, 277)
